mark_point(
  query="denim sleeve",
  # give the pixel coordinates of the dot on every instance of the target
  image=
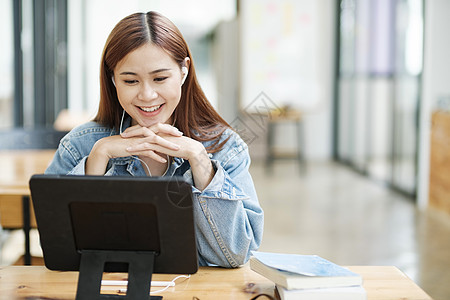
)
(229, 218)
(66, 162)
(63, 163)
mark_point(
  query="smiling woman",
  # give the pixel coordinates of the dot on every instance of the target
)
(155, 120)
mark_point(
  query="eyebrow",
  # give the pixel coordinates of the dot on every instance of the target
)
(152, 72)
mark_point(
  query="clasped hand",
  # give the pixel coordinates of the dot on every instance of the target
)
(148, 142)
(159, 138)
(151, 142)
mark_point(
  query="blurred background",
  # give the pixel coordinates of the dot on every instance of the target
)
(344, 105)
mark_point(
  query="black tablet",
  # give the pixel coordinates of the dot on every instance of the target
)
(124, 214)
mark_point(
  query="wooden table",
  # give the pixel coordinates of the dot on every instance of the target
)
(17, 167)
(33, 282)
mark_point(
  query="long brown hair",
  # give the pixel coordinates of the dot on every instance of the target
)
(194, 115)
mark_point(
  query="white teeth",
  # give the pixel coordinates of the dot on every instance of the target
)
(150, 109)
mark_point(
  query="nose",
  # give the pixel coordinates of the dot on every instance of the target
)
(147, 92)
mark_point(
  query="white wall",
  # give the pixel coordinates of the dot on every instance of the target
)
(287, 50)
(319, 123)
(436, 82)
(226, 68)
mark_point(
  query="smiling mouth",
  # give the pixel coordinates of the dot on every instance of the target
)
(150, 109)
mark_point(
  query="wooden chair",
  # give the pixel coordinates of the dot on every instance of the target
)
(286, 116)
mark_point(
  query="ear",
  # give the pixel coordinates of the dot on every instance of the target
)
(187, 62)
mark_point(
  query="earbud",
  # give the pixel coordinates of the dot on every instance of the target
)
(185, 72)
(113, 81)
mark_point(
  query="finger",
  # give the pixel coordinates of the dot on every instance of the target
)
(136, 130)
(148, 150)
(151, 154)
(161, 128)
(162, 142)
(153, 143)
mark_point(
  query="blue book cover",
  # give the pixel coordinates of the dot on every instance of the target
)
(306, 265)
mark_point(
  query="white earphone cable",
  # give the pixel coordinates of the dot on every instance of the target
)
(169, 284)
(133, 156)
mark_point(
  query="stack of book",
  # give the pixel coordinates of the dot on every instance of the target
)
(308, 277)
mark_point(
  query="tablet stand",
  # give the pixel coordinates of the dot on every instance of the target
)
(140, 269)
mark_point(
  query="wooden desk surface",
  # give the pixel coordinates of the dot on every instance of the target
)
(33, 282)
(17, 167)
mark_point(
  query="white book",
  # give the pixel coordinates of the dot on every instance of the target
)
(293, 271)
(337, 293)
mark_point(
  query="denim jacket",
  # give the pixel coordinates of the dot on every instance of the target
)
(228, 217)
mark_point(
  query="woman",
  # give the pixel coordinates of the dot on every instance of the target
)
(155, 120)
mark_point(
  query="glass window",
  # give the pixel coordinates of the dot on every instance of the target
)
(379, 71)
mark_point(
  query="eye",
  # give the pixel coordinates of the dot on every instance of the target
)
(130, 81)
(159, 79)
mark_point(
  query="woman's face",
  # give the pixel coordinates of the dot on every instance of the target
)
(148, 84)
